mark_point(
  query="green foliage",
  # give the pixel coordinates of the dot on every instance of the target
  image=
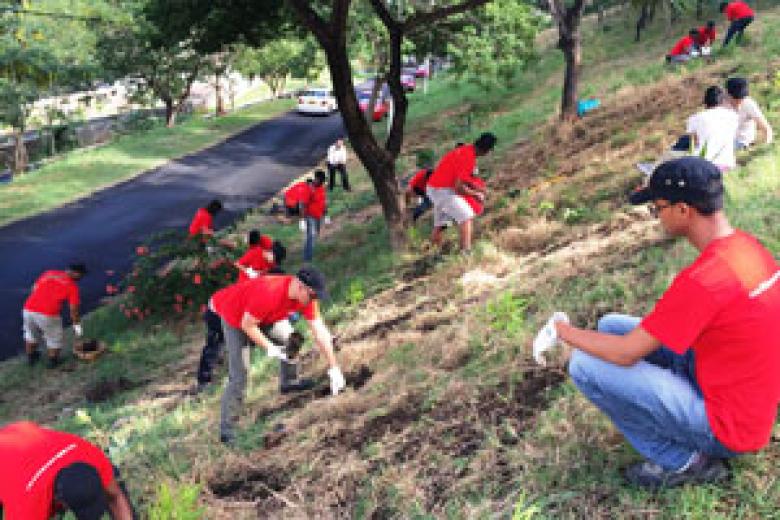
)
(507, 314)
(173, 275)
(498, 45)
(355, 292)
(176, 503)
(276, 60)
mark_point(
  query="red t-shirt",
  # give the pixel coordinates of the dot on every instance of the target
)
(683, 46)
(477, 205)
(315, 206)
(297, 193)
(202, 222)
(456, 164)
(255, 258)
(726, 307)
(737, 10)
(51, 289)
(265, 298)
(31, 457)
(706, 36)
(419, 181)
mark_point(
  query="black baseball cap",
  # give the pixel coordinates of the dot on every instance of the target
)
(78, 486)
(688, 179)
(312, 278)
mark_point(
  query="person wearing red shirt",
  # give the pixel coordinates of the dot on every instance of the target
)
(684, 48)
(41, 315)
(203, 222)
(296, 196)
(257, 310)
(707, 35)
(46, 472)
(696, 380)
(315, 208)
(447, 185)
(740, 15)
(416, 188)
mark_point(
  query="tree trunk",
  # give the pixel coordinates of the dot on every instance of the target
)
(170, 113)
(219, 103)
(375, 88)
(642, 22)
(699, 9)
(572, 54)
(20, 152)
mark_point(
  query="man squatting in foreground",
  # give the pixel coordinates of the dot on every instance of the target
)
(696, 381)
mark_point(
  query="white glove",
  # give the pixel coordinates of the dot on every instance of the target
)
(78, 330)
(547, 338)
(302, 225)
(326, 220)
(275, 351)
(251, 273)
(337, 381)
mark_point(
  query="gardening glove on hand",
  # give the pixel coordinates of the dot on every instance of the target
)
(547, 338)
(78, 330)
(275, 351)
(337, 381)
(251, 273)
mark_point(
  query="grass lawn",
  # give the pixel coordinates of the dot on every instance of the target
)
(81, 172)
(455, 421)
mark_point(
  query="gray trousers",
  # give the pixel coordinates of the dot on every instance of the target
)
(238, 344)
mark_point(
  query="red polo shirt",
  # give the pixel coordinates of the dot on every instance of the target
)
(255, 258)
(726, 307)
(738, 10)
(706, 35)
(456, 164)
(201, 222)
(683, 46)
(477, 205)
(50, 291)
(296, 194)
(265, 298)
(30, 458)
(315, 206)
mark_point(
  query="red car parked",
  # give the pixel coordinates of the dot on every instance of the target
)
(381, 108)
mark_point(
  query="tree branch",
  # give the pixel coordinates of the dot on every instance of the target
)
(428, 17)
(384, 14)
(311, 19)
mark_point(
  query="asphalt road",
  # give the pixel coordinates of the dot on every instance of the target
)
(104, 229)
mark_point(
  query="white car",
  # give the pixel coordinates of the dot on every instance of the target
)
(317, 101)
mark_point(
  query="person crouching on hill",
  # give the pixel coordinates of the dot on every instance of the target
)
(740, 15)
(685, 48)
(695, 381)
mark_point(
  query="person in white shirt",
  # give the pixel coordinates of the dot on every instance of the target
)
(714, 130)
(750, 116)
(337, 161)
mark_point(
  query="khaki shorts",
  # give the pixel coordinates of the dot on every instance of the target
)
(39, 328)
(448, 206)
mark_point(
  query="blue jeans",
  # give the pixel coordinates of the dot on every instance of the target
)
(656, 403)
(737, 28)
(421, 208)
(312, 230)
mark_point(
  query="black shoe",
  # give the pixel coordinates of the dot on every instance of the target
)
(300, 385)
(53, 362)
(704, 470)
(33, 358)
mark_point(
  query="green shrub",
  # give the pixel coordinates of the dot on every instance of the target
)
(176, 503)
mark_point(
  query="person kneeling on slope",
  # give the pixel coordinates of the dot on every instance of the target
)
(696, 381)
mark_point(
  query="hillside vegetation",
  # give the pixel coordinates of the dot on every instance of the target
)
(447, 415)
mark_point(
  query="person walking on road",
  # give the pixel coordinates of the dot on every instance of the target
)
(337, 162)
(448, 183)
(314, 211)
(695, 381)
(740, 15)
(41, 315)
(46, 472)
(257, 311)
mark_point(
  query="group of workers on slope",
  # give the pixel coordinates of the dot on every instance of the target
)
(699, 41)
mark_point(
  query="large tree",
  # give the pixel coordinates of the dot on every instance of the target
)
(568, 18)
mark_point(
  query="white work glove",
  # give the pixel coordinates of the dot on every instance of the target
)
(275, 351)
(302, 225)
(547, 338)
(337, 381)
(326, 220)
(78, 330)
(251, 273)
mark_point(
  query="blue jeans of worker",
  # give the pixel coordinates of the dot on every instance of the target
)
(422, 207)
(312, 231)
(656, 403)
(737, 28)
(214, 340)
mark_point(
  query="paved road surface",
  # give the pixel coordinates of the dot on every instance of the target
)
(103, 230)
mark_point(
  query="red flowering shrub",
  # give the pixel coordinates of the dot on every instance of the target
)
(173, 276)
